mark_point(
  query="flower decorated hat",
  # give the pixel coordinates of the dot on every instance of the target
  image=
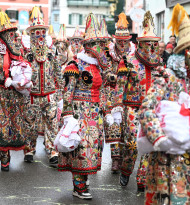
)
(180, 24)
(122, 31)
(51, 32)
(148, 33)
(77, 34)
(36, 19)
(92, 31)
(5, 23)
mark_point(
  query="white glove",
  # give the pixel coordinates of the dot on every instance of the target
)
(109, 119)
(171, 147)
(117, 117)
(8, 82)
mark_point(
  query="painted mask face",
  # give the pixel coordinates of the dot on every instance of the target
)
(149, 51)
(62, 53)
(97, 49)
(76, 46)
(9, 37)
(122, 45)
(38, 44)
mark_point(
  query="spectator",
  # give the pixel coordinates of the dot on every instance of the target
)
(169, 48)
(172, 40)
(163, 54)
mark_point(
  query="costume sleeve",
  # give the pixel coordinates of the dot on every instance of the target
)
(58, 75)
(71, 75)
(122, 79)
(149, 121)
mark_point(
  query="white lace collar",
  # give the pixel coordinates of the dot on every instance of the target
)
(87, 59)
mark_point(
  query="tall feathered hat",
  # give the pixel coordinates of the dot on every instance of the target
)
(148, 33)
(180, 24)
(5, 23)
(51, 32)
(122, 31)
(77, 34)
(36, 19)
(92, 31)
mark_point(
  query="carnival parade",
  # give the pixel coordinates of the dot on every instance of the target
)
(91, 91)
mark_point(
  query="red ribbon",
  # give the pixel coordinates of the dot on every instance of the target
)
(6, 64)
(184, 111)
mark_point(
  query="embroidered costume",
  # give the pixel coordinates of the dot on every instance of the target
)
(46, 74)
(113, 131)
(167, 178)
(82, 100)
(11, 101)
(134, 76)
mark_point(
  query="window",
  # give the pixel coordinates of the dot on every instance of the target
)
(12, 14)
(160, 24)
(75, 19)
(55, 3)
(56, 17)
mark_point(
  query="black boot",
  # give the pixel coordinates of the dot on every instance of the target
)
(140, 189)
(5, 168)
(28, 158)
(123, 180)
(53, 160)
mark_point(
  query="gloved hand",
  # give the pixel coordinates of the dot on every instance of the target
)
(117, 117)
(109, 119)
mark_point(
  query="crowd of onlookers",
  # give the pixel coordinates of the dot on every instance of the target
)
(167, 49)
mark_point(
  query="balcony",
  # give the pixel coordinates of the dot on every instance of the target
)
(96, 3)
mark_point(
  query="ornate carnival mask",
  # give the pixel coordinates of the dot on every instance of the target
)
(9, 37)
(98, 50)
(122, 45)
(38, 44)
(76, 45)
(149, 52)
(61, 47)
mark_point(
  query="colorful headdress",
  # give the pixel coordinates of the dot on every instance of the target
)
(5, 23)
(180, 24)
(122, 31)
(36, 19)
(77, 34)
(51, 32)
(148, 33)
(103, 28)
(92, 31)
(62, 33)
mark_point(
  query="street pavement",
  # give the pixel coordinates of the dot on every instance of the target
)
(39, 184)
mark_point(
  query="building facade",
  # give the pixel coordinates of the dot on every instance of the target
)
(55, 15)
(18, 11)
(162, 14)
(73, 13)
(130, 6)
